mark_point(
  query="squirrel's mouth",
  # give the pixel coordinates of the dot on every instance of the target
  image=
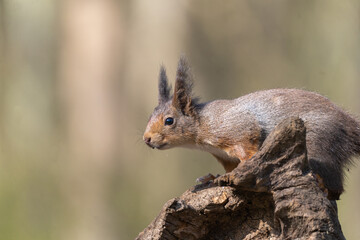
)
(161, 146)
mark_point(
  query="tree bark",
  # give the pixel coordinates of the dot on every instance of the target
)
(272, 196)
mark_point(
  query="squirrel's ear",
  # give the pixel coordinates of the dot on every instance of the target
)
(164, 88)
(182, 99)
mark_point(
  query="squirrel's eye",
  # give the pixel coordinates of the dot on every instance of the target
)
(169, 121)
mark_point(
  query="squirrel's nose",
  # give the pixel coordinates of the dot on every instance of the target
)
(147, 140)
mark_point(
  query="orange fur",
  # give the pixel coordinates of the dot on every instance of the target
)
(228, 165)
(158, 125)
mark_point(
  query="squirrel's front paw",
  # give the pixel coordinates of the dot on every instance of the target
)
(206, 179)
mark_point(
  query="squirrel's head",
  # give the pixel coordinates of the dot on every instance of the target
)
(173, 122)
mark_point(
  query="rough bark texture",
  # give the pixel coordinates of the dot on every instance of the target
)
(272, 196)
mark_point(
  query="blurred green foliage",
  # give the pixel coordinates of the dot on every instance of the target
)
(78, 80)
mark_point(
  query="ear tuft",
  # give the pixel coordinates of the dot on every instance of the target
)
(183, 98)
(164, 88)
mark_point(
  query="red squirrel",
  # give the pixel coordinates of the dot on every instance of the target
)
(233, 130)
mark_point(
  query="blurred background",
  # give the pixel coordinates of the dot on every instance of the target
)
(78, 81)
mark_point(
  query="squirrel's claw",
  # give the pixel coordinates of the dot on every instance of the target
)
(206, 179)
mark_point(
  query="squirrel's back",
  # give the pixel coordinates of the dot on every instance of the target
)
(272, 106)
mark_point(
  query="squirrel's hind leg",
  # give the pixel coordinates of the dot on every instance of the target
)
(329, 175)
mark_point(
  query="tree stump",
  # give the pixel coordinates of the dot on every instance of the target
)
(272, 196)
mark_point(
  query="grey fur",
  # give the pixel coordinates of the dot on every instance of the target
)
(183, 97)
(164, 88)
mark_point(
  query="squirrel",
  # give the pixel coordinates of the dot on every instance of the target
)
(233, 130)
